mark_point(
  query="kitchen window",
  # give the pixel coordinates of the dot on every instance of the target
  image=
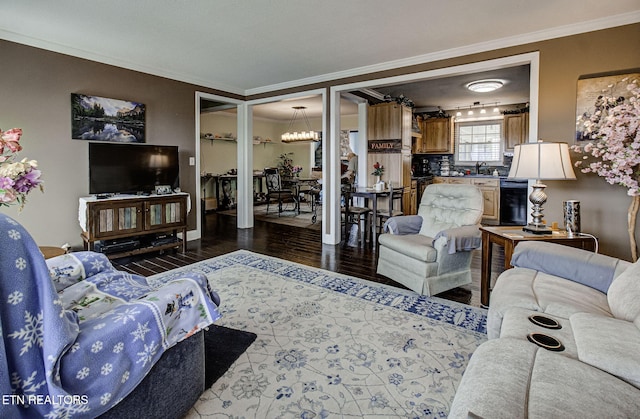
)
(478, 141)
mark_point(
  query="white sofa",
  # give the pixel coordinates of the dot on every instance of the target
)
(595, 373)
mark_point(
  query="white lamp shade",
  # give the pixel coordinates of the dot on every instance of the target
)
(542, 161)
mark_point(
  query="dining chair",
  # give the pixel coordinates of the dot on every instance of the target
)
(395, 208)
(354, 215)
(275, 190)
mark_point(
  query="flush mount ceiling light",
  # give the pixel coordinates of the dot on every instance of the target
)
(291, 137)
(484, 86)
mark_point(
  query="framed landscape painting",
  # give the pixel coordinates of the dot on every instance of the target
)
(103, 119)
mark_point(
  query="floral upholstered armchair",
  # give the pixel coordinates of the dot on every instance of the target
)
(79, 336)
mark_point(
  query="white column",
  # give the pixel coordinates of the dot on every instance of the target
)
(363, 149)
(245, 166)
(331, 174)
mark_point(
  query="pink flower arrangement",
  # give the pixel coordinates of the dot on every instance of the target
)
(17, 178)
(615, 145)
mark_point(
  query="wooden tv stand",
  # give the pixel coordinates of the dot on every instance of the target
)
(153, 220)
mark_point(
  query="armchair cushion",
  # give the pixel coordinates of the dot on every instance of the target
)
(416, 246)
(461, 239)
(445, 206)
(581, 266)
(403, 224)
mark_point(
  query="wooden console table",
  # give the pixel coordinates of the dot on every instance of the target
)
(152, 222)
(508, 238)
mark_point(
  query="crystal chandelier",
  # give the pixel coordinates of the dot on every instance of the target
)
(291, 137)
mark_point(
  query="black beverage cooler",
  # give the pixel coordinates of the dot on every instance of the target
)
(513, 202)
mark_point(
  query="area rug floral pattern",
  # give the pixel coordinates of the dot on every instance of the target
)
(330, 345)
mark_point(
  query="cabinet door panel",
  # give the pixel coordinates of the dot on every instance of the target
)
(516, 130)
(390, 121)
(115, 219)
(163, 214)
(490, 203)
(436, 134)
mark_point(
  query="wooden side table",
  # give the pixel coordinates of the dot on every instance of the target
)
(51, 251)
(508, 238)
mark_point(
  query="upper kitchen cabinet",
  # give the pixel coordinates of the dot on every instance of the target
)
(516, 130)
(390, 121)
(436, 136)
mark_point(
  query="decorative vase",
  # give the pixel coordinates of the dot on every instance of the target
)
(377, 179)
(571, 210)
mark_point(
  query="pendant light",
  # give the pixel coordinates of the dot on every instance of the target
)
(303, 136)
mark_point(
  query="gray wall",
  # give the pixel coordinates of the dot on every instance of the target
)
(562, 62)
(35, 88)
(35, 91)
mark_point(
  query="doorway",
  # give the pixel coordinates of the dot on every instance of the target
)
(330, 147)
(211, 104)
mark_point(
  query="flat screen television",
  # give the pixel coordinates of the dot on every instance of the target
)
(132, 168)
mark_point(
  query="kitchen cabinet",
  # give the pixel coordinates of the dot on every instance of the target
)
(406, 169)
(417, 141)
(516, 130)
(390, 121)
(387, 121)
(436, 136)
(491, 194)
(490, 188)
(410, 203)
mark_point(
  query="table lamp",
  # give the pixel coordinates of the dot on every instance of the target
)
(540, 161)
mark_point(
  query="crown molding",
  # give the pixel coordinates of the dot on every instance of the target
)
(558, 32)
(104, 59)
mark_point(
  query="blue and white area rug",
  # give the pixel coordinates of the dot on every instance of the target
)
(330, 345)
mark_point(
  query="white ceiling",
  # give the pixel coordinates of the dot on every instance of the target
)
(252, 46)
(451, 92)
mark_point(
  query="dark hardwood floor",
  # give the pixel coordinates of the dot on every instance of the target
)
(301, 245)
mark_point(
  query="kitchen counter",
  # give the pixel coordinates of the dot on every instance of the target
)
(476, 176)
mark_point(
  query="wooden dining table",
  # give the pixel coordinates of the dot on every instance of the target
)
(370, 193)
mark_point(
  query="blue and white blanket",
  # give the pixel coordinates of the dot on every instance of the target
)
(76, 348)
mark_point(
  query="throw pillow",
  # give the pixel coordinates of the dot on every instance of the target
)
(577, 265)
(624, 294)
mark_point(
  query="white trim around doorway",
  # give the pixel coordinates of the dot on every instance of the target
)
(197, 233)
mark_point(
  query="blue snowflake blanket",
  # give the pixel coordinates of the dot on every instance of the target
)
(78, 336)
